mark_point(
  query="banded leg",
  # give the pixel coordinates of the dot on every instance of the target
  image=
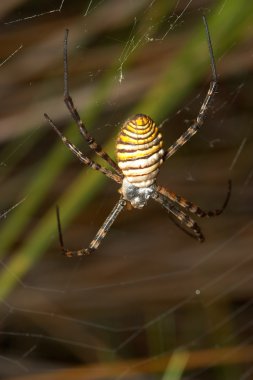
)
(191, 207)
(200, 118)
(185, 221)
(76, 117)
(99, 236)
(84, 159)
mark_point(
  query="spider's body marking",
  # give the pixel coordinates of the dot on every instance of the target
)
(139, 154)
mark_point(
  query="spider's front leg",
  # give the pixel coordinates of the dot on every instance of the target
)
(76, 117)
(186, 136)
(84, 159)
(99, 236)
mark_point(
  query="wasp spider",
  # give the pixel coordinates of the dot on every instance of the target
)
(140, 153)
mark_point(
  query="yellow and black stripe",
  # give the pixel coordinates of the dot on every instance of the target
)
(139, 150)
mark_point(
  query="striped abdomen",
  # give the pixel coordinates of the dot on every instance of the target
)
(139, 150)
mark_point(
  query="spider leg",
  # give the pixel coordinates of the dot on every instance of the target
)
(85, 160)
(181, 227)
(191, 207)
(99, 236)
(182, 217)
(204, 107)
(76, 117)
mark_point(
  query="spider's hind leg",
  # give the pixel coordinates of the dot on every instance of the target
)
(191, 207)
(182, 220)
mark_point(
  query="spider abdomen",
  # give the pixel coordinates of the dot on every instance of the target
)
(139, 150)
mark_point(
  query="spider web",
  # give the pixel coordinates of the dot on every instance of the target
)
(152, 303)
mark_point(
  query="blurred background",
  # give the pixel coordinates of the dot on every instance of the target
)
(152, 303)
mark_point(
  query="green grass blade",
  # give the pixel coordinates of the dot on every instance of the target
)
(176, 366)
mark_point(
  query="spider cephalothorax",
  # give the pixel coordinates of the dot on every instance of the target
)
(137, 196)
(139, 157)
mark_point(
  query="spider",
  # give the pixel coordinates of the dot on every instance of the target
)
(139, 155)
